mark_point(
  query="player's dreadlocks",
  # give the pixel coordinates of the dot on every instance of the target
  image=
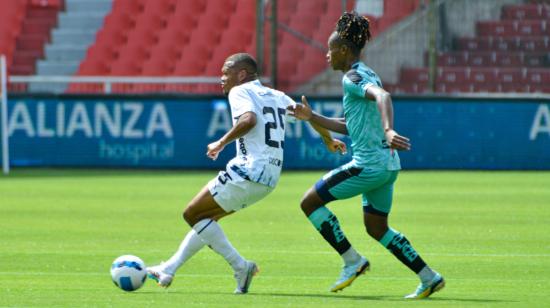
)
(353, 30)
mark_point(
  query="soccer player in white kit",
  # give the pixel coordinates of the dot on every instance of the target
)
(258, 114)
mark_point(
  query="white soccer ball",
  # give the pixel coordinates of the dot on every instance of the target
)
(128, 272)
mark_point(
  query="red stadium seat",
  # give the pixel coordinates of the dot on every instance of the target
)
(240, 38)
(525, 11)
(310, 66)
(189, 67)
(94, 67)
(126, 67)
(512, 28)
(287, 7)
(130, 7)
(510, 75)
(245, 7)
(305, 23)
(407, 88)
(145, 39)
(118, 21)
(160, 7)
(150, 23)
(214, 21)
(174, 36)
(535, 59)
(181, 21)
(106, 53)
(452, 75)
(507, 59)
(318, 7)
(134, 52)
(243, 20)
(287, 69)
(414, 75)
(502, 28)
(111, 38)
(158, 67)
(205, 36)
(220, 7)
(482, 75)
(534, 44)
(166, 51)
(189, 7)
(538, 76)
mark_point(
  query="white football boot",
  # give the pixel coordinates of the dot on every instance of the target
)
(162, 278)
(244, 277)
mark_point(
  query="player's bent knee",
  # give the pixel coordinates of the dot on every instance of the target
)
(376, 232)
(190, 216)
(310, 203)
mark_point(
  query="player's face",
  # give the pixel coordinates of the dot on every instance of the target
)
(335, 54)
(229, 78)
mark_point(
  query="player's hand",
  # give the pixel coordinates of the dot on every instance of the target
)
(336, 145)
(214, 149)
(301, 111)
(396, 141)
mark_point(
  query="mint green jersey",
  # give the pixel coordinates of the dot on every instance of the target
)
(364, 123)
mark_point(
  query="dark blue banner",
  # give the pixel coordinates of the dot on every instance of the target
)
(173, 132)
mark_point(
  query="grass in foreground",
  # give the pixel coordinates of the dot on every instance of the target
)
(486, 232)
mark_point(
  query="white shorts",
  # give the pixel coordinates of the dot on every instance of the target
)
(233, 193)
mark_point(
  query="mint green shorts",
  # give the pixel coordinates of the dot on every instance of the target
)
(375, 186)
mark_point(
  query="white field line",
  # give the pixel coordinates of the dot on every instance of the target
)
(267, 276)
(294, 252)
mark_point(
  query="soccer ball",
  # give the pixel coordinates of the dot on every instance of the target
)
(128, 272)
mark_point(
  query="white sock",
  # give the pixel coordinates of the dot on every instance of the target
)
(212, 234)
(351, 256)
(426, 274)
(188, 247)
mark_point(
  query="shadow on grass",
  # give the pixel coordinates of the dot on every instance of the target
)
(337, 297)
(382, 298)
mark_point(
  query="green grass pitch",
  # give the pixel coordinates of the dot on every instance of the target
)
(486, 232)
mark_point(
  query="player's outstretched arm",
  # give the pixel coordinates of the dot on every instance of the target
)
(385, 106)
(304, 112)
(333, 145)
(244, 124)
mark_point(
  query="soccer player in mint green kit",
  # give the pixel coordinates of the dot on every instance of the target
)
(373, 170)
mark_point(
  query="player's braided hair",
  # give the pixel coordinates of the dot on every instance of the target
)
(354, 29)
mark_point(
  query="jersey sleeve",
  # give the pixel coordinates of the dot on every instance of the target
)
(240, 102)
(356, 84)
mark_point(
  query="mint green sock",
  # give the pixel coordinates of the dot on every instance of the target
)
(327, 224)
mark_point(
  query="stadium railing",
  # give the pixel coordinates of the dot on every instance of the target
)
(108, 82)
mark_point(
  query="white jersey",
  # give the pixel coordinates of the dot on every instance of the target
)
(260, 152)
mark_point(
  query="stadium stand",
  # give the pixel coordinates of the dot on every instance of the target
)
(25, 27)
(176, 38)
(511, 54)
(192, 38)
